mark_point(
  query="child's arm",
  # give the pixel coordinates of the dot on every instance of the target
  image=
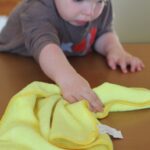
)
(110, 46)
(74, 87)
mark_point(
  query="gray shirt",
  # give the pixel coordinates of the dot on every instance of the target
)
(35, 23)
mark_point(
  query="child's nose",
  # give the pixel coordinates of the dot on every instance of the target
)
(89, 9)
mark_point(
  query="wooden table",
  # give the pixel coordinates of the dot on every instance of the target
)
(17, 71)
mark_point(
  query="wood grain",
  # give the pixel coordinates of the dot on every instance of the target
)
(6, 6)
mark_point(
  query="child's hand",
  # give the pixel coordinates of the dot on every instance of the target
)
(124, 60)
(75, 88)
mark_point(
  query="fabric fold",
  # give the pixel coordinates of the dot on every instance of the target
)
(38, 118)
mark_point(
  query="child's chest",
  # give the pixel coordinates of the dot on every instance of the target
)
(77, 41)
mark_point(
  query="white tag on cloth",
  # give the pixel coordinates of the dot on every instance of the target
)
(109, 130)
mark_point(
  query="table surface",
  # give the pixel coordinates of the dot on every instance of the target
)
(17, 71)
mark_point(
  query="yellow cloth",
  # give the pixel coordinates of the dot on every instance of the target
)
(37, 118)
(120, 98)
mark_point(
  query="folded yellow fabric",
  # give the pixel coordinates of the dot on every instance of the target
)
(120, 98)
(37, 118)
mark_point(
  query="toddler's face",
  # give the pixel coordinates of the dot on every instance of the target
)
(79, 12)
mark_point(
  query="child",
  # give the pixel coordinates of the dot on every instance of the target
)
(49, 29)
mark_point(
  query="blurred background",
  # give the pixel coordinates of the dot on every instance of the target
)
(131, 18)
(7, 5)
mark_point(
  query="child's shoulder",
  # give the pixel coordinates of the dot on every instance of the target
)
(33, 6)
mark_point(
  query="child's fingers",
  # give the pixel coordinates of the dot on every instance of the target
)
(133, 66)
(123, 66)
(136, 65)
(94, 101)
(111, 63)
(70, 98)
(98, 102)
(140, 66)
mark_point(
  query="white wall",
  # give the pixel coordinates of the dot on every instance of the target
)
(132, 20)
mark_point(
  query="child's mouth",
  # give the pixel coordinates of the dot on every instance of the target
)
(80, 22)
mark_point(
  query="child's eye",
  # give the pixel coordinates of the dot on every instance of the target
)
(98, 1)
(78, 0)
(101, 1)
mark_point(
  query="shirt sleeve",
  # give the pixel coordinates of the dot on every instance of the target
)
(37, 29)
(105, 21)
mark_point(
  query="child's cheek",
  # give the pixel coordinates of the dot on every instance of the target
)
(98, 11)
